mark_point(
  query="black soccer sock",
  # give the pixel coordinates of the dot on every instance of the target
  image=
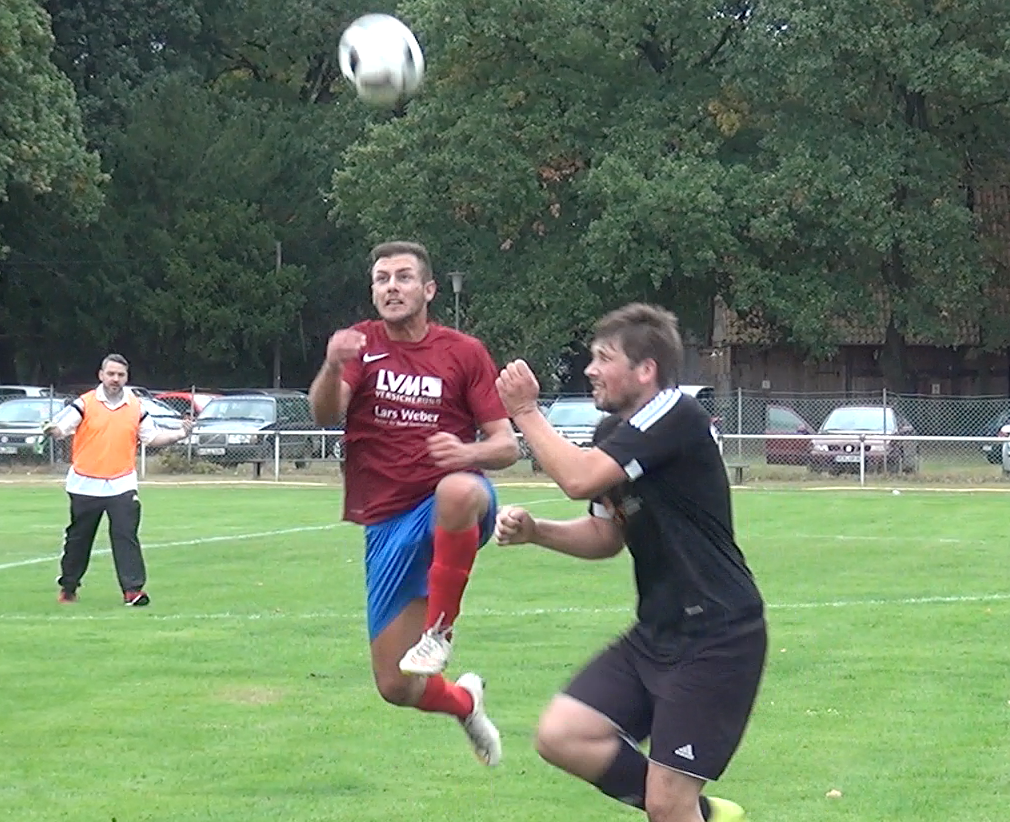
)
(624, 780)
(706, 809)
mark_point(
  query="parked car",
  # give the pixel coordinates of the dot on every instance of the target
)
(780, 419)
(705, 394)
(575, 419)
(239, 428)
(836, 447)
(996, 426)
(186, 402)
(21, 421)
(163, 416)
(11, 391)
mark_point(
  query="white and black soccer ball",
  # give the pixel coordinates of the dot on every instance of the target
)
(381, 56)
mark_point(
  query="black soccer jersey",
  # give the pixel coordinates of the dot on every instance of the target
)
(674, 511)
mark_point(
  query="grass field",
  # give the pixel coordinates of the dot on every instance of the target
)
(243, 693)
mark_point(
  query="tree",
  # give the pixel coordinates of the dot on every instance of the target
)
(44, 164)
(514, 161)
(814, 164)
(212, 128)
(41, 140)
(874, 123)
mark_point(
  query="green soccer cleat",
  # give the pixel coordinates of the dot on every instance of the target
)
(722, 810)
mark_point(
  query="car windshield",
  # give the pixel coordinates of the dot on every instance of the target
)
(861, 419)
(33, 411)
(574, 413)
(234, 409)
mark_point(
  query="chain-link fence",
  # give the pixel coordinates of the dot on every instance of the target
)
(949, 433)
(764, 435)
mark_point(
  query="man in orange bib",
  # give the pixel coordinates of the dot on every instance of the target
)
(106, 424)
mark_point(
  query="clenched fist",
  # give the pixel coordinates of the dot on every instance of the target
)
(514, 526)
(344, 345)
(518, 388)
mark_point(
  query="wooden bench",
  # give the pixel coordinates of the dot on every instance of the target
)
(739, 471)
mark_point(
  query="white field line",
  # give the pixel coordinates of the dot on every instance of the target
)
(182, 542)
(223, 538)
(874, 538)
(64, 616)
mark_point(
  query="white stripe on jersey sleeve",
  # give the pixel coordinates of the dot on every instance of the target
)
(599, 510)
(634, 470)
(656, 409)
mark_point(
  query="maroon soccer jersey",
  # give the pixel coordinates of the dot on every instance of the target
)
(401, 394)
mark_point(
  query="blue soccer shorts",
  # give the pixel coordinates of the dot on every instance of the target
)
(397, 555)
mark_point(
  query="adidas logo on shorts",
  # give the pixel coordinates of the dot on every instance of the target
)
(686, 751)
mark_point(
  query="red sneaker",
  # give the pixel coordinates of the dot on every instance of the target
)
(136, 598)
(66, 597)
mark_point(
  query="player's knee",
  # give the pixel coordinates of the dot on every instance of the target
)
(664, 804)
(460, 500)
(394, 688)
(554, 738)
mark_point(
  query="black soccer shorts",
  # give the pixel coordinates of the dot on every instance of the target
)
(693, 707)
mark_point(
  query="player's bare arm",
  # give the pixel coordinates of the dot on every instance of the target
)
(497, 448)
(329, 394)
(586, 537)
(170, 437)
(580, 473)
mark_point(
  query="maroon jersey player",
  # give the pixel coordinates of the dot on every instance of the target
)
(415, 395)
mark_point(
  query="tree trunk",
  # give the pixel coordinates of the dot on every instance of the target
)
(894, 361)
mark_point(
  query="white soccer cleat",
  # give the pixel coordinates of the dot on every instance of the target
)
(431, 653)
(483, 734)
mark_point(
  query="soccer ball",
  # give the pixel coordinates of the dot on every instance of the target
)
(382, 58)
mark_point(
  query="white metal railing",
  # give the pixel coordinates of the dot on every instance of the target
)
(864, 454)
(864, 450)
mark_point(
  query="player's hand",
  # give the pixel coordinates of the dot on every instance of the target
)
(518, 388)
(513, 526)
(449, 451)
(187, 426)
(344, 345)
(51, 429)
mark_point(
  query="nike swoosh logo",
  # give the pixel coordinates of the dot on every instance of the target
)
(373, 357)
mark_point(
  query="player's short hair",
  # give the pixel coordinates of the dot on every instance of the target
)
(116, 358)
(391, 249)
(646, 332)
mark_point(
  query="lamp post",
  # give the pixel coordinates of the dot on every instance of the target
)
(457, 289)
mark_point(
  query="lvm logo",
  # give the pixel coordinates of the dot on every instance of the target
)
(408, 385)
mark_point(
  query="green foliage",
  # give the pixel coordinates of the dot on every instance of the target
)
(211, 128)
(876, 123)
(41, 140)
(810, 163)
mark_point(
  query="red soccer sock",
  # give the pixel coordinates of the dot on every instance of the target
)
(453, 556)
(443, 697)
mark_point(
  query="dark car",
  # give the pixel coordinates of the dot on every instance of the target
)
(240, 428)
(780, 419)
(996, 426)
(850, 429)
(21, 437)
